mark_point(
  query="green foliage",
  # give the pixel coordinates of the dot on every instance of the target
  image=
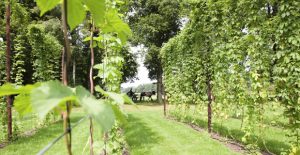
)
(50, 95)
(98, 10)
(153, 23)
(37, 47)
(102, 13)
(109, 71)
(3, 119)
(129, 68)
(75, 12)
(45, 53)
(45, 5)
(113, 23)
(53, 95)
(248, 53)
(116, 141)
(2, 61)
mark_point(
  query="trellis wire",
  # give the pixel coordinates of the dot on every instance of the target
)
(46, 148)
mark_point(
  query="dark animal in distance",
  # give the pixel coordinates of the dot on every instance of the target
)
(132, 95)
(148, 94)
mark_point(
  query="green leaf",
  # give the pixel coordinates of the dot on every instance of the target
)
(98, 66)
(8, 89)
(87, 39)
(97, 9)
(82, 93)
(114, 96)
(127, 99)
(100, 111)
(46, 5)
(49, 95)
(22, 104)
(114, 23)
(76, 13)
(120, 116)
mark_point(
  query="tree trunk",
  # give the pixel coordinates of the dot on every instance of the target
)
(8, 70)
(159, 85)
(209, 109)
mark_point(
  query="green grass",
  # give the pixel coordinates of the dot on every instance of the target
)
(33, 144)
(148, 132)
(273, 137)
(25, 125)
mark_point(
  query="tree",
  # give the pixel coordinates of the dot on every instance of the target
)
(130, 65)
(153, 23)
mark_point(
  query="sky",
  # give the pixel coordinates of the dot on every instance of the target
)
(142, 74)
(142, 70)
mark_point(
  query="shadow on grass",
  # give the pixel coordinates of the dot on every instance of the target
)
(272, 145)
(146, 102)
(139, 136)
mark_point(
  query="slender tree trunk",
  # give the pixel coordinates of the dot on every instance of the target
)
(159, 85)
(91, 85)
(8, 70)
(209, 109)
(66, 58)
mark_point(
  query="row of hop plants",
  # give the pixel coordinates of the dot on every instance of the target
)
(239, 56)
(55, 97)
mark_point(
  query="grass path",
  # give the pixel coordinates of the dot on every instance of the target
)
(33, 144)
(148, 132)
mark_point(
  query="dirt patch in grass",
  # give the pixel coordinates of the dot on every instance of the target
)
(2, 145)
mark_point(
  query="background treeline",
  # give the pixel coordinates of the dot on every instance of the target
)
(148, 87)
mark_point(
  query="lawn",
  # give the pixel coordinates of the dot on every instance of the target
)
(272, 138)
(148, 132)
(33, 144)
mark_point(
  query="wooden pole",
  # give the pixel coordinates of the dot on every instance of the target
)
(8, 70)
(91, 85)
(165, 108)
(66, 58)
(209, 109)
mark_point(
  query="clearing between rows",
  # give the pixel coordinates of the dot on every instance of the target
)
(147, 132)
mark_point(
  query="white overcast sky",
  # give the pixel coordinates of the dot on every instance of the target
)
(142, 74)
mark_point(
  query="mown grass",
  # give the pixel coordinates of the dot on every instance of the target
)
(271, 138)
(148, 132)
(33, 144)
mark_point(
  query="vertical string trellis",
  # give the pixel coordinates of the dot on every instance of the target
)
(66, 58)
(91, 83)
